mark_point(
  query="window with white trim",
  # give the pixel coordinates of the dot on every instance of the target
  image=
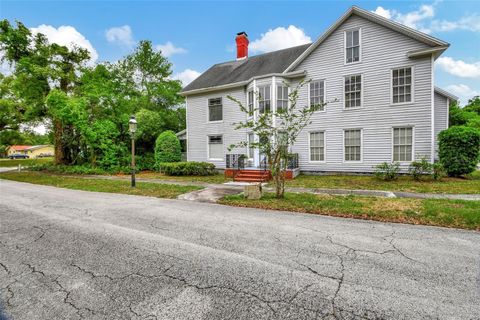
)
(353, 145)
(402, 144)
(251, 149)
(250, 101)
(215, 109)
(402, 85)
(317, 146)
(352, 46)
(264, 99)
(353, 91)
(215, 147)
(317, 94)
(282, 98)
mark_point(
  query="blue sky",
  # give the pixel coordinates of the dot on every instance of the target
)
(197, 34)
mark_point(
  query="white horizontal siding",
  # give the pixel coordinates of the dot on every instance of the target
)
(382, 50)
(440, 116)
(199, 128)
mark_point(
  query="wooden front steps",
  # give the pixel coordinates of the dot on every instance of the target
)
(252, 176)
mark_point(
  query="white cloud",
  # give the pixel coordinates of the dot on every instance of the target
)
(463, 91)
(121, 35)
(414, 19)
(168, 49)
(459, 68)
(187, 76)
(66, 36)
(280, 38)
(423, 19)
(467, 23)
(383, 12)
(5, 67)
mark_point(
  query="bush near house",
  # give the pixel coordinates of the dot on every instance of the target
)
(387, 171)
(167, 148)
(420, 168)
(188, 168)
(459, 150)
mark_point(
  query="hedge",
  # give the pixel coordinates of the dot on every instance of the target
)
(459, 150)
(188, 169)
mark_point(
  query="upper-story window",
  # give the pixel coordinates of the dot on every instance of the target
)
(352, 46)
(317, 94)
(282, 98)
(215, 109)
(402, 85)
(353, 91)
(250, 101)
(264, 99)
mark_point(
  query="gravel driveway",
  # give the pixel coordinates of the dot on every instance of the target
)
(68, 254)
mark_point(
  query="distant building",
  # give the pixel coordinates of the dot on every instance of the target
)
(40, 151)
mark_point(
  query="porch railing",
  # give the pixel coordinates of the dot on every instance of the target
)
(292, 161)
(235, 161)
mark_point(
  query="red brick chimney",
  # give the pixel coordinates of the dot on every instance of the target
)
(242, 45)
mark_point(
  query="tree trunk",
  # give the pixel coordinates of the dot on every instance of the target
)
(58, 133)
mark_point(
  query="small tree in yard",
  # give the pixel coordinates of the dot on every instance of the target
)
(276, 132)
(167, 148)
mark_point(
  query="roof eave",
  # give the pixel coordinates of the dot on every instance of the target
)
(446, 93)
(436, 51)
(289, 75)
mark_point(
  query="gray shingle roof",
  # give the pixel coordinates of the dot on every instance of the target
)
(242, 70)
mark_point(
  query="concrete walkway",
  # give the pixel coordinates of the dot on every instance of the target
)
(213, 192)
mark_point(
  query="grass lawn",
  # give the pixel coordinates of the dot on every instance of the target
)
(403, 183)
(111, 186)
(218, 178)
(446, 213)
(23, 162)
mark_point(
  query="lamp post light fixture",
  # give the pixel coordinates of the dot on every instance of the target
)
(132, 127)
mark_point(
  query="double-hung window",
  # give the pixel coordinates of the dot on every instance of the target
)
(317, 94)
(402, 85)
(402, 144)
(353, 91)
(317, 146)
(250, 101)
(282, 98)
(352, 46)
(264, 99)
(215, 109)
(215, 147)
(353, 145)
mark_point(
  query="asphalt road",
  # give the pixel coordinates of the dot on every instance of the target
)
(68, 254)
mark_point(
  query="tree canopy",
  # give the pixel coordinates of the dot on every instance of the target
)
(86, 107)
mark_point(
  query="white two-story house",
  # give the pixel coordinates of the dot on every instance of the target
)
(377, 74)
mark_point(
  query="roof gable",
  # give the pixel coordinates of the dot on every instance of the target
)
(412, 33)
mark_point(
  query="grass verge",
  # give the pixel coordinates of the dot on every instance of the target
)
(445, 213)
(24, 162)
(110, 186)
(218, 178)
(469, 185)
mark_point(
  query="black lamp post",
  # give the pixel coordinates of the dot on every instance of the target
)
(132, 127)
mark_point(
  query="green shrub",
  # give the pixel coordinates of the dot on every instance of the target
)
(438, 171)
(145, 162)
(167, 148)
(459, 150)
(420, 168)
(387, 171)
(79, 169)
(188, 169)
